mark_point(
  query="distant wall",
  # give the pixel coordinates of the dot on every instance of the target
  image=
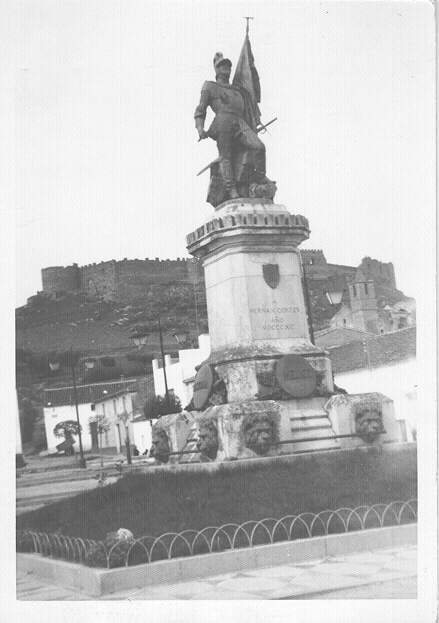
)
(100, 279)
(118, 280)
(60, 278)
(381, 272)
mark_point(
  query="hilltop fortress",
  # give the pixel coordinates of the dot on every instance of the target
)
(119, 280)
(126, 279)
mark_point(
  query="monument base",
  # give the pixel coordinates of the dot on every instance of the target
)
(263, 428)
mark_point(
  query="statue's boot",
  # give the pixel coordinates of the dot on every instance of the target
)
(228, 179)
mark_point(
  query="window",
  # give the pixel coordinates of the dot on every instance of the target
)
(344, 322)
(366, 288)
(354, 290)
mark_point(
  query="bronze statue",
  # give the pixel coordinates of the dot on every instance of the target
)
(239, 171)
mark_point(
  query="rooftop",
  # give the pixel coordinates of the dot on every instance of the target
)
(337, 336)
(381, 350)
(91, 393)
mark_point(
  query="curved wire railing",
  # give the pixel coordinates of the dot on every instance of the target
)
(147, 549)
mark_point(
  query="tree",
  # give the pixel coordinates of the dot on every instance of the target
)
(124, 417)
(102, 426)
(28, 417)
(158, 406)
(66, 429)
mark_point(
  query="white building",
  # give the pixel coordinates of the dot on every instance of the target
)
(112, 397)
(180, 372)
(117, 410)
(386, 364)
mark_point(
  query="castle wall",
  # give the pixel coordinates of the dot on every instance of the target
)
(60, 278)
(100, 279)
(381, 272)
(128, 279)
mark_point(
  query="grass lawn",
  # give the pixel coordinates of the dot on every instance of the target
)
(160, 501)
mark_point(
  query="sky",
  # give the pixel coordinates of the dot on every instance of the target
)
(107, 153)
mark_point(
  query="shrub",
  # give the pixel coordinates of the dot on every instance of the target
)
(24, 542)
(158, 406)
(113, 552)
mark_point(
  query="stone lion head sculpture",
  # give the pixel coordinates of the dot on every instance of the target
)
(207, 443)
(160, 448)
(259, 432)
(368, 421)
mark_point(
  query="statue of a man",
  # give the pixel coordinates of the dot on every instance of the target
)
(229, 128)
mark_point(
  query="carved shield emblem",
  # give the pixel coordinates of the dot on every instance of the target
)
(271, 275)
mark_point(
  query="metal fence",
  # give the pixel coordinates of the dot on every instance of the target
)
(113, 553)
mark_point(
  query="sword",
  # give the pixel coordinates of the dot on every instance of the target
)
(259, 129)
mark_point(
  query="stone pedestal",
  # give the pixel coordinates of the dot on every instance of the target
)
(255, 299)
(265, 389)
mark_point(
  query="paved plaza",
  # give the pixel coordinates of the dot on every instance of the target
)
(377, 574)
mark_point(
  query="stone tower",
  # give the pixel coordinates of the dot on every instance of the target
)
(364, 305)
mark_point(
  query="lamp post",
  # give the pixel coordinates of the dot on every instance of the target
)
(307, 302)
(181, 337)
(82, 462)
(140, 338)
(124, 417)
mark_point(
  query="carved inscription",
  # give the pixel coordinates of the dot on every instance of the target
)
(275, 318)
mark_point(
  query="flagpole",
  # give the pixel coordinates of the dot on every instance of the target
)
(247, 26)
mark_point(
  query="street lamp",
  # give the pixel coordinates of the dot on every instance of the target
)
(140, 338)
(307, 302)
(334, 297)
(82, 462)
(181, 337)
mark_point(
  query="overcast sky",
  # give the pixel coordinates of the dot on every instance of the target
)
(106, 147)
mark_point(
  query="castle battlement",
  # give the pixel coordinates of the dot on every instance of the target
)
(110, 278)
(120, 279)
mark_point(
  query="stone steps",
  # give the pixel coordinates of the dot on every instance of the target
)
(312, 423)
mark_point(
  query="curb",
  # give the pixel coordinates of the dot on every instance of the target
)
(98, 582)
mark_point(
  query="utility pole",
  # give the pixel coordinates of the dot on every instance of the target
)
(82, 462)
(307, 302)
(164, 365)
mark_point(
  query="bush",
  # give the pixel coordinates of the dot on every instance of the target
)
(160, 501)
(158, 406)
(24, 542)
(113, 553)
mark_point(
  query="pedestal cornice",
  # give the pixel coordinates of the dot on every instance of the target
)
(254, 224)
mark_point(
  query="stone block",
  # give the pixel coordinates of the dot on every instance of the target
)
(365, 415)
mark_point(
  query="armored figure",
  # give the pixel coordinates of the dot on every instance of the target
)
(241, 162)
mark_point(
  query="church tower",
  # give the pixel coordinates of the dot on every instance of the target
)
(363, 305)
